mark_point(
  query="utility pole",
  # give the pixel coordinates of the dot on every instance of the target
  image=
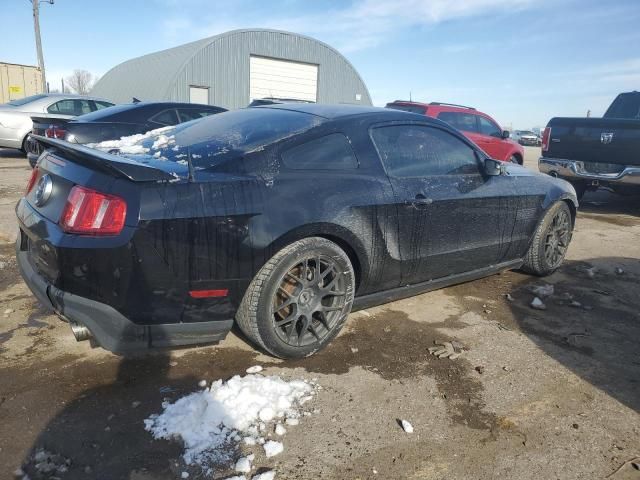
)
(36, 27)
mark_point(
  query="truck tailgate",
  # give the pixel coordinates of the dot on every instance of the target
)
(597, 140)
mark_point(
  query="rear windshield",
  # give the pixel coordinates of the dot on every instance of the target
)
(23, 101)
(106, 113)
(626, 105)
(215, 139)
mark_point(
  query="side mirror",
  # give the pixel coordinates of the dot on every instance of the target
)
(506, 134)
(492, 167)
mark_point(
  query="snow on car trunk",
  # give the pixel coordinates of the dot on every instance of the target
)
(212, 423)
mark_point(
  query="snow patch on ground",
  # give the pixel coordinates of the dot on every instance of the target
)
(406, 426)
(212, 423)
(273, 448)
(270, 475)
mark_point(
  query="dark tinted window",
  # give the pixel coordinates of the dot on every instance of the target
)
(167, 117)
(23, 101)
(487, 127)
(462, 121)
(188, 114)
(111, 113)
(332, 152)
(408, 108)
(419, 151)
(100, 105)
(626, 105)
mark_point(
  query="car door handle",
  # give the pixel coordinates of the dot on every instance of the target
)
(420, 200)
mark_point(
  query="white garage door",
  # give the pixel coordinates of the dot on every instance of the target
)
(269, 77)
(199, 95)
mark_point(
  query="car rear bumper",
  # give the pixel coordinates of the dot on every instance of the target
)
(573, 170)
(110, 329)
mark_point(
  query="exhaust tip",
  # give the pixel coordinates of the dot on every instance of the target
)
(81, 332)
(553, 173)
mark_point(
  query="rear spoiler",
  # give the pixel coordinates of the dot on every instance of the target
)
(106, 162)
(50, 121)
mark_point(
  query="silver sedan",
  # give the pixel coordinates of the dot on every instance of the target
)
(15, 116)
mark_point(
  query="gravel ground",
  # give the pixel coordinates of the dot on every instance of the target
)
(535, 394)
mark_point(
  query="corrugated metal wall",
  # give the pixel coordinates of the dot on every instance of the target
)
(221, 63)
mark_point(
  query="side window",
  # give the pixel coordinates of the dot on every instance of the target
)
(420, 151)
(462, 121)
(82, 107)
(100, 105)
(63, 107)
(487, 127)
(166, 117)
(188, 114)
(332, 152)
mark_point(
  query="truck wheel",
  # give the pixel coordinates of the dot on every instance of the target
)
(299, 300)
(514, 159)
(550, 241)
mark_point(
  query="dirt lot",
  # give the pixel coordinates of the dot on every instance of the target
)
(537, 395)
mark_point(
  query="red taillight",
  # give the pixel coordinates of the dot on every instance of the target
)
(546, 135)
(32, 180)
(89, 212)
(55, 132)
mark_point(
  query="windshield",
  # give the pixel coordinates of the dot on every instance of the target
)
(23, 101)
(212, 140)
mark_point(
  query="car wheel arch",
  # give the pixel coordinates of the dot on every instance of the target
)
(341, 236)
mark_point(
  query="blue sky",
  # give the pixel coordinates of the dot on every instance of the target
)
(521, 61)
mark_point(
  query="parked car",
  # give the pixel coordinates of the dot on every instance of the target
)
(526, 137)
(475, 125)
(115, 122)
(594, 152)
(284, 218)
(15, 116)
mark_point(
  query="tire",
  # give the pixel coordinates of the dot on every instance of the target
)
(292, 314)
(550, 241)
(514, 159)
(23, 147)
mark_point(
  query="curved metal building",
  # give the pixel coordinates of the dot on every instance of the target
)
(233, 68)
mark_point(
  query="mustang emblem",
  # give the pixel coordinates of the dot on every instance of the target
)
(606, 138)
(43, 190)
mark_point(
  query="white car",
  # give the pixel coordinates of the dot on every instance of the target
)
(15, 116)
(525, 137)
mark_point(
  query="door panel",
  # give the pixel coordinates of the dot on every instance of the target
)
(451, 219)
(489, 138)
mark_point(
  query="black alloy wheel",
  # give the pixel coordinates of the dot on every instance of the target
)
(309, 301)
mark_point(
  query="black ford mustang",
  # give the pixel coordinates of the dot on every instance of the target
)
(283, 218)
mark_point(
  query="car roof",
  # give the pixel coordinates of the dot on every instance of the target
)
(334, 112)
(167, 104)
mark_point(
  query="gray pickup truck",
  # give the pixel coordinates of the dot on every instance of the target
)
(594, 152)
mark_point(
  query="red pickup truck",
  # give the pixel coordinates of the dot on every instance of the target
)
(479, 127)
